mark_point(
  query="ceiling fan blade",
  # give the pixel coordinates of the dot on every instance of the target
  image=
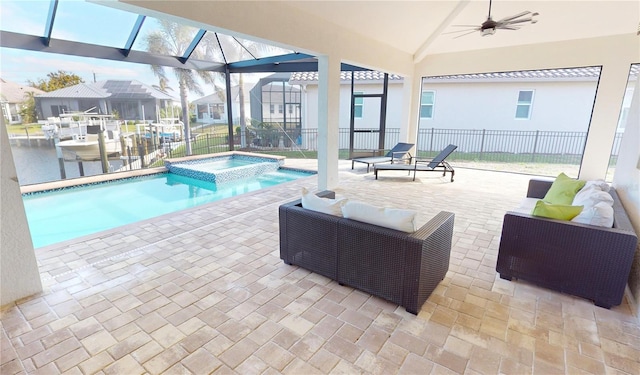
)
(507, 28)
(529, 19)
(470, 32)
(464, 25)
(507, 19)
(462, 31)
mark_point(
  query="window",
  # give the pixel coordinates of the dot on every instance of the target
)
(426, 104)
(359, 103)
(57, 110)
(272, 108)
(525, 101)
(280, 109)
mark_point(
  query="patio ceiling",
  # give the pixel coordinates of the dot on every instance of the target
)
(417, 27)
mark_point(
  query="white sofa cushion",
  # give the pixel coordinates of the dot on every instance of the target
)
(526, 206)
(600, 214)
(312, 202)
(393, 218)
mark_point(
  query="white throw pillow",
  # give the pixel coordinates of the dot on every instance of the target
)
(601, 214)
(313, 202)
(602, 184)
(393, 218)
(590, 196)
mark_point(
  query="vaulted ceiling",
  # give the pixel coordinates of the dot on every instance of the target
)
(416, 27)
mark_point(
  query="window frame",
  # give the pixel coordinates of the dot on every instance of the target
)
(529, 104)
(358, 105)
(432, 104)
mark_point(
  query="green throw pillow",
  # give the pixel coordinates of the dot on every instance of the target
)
(563, 190)
(556, 211)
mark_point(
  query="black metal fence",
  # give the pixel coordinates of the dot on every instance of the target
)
(473, 144)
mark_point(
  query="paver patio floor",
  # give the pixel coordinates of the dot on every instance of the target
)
(204, 291)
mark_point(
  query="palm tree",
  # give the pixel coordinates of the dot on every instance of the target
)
(173, 39)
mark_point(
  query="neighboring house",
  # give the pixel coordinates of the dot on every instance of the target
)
(132, 100)
(212, 109)
(367, 110)
(545, 100)
(12, 95)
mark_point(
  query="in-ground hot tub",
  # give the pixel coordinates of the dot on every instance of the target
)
(224, 167)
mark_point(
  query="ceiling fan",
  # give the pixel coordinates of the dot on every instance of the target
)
(490, 26)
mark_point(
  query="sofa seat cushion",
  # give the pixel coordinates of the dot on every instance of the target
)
(563, 190)
(312, 202)
(556, 211)
(393, 218)
(526, 206)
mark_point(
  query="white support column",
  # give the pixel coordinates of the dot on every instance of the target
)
(328, 121)
(604, 120)
(19, 276)
(410, 109)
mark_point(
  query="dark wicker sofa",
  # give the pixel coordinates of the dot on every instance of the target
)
(583, 260)
(403, 268)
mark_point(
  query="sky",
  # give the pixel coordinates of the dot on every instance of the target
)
(77, 21)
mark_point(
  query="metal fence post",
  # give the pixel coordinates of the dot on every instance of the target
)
(431, 141)
(481, 145)
(535, 146)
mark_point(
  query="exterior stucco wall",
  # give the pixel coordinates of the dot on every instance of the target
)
(557, 106)
(19, 276)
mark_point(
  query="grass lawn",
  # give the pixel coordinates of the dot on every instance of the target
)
(28, 129)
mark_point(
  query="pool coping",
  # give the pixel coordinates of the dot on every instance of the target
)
(61, 184)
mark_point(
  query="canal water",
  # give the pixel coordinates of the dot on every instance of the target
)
(36, 162)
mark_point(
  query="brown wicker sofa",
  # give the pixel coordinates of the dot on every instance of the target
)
(583, 260)
(403, 268)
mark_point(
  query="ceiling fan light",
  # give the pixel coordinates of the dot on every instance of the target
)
(489, 31)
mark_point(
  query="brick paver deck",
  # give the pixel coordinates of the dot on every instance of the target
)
(204, 291)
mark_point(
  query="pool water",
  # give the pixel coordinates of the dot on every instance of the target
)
(61, 215)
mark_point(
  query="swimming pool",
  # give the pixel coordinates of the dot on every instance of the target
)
(60, 215)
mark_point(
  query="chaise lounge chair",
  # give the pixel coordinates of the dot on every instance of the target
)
(429, 165)
(397, 153)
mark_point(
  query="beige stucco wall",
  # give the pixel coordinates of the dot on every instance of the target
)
(627, 182)
(19, 276)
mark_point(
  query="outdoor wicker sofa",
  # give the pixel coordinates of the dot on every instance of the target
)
(583, 260)
(400, 267)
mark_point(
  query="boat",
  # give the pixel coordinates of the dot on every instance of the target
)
(84, 142)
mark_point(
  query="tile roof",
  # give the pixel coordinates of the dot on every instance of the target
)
(365, 75)
(12, 92)
(564, 73)
(589, 72)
